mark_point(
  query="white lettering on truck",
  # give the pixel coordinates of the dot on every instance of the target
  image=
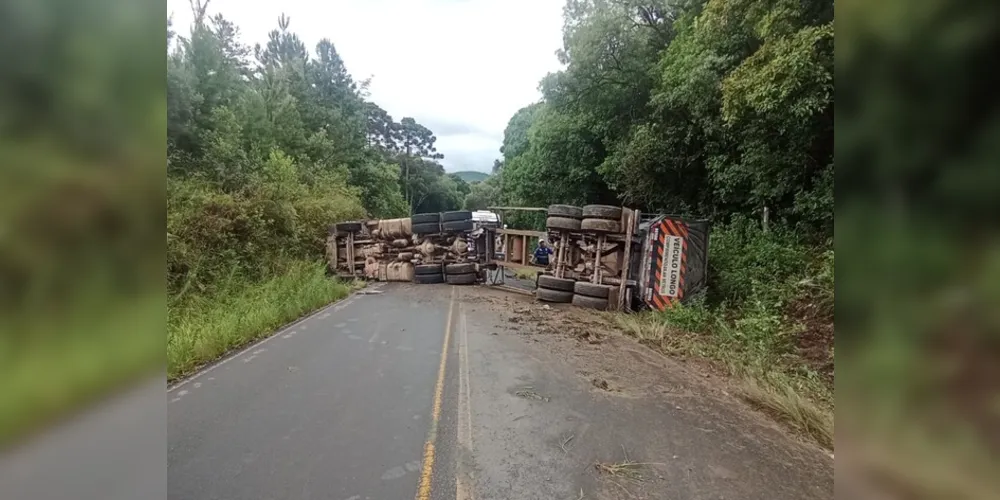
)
(670, 273)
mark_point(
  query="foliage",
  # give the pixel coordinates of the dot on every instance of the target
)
(482, 194)
(206, 326)
(472, 176)
(268, 145)
(708, 109)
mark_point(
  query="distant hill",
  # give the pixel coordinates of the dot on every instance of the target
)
(471, 176)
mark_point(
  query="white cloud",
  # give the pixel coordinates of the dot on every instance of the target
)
(464, 66)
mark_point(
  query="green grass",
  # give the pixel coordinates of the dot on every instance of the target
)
(203, 328)
(526, 274)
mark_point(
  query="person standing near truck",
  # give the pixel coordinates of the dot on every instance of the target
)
(541, 256)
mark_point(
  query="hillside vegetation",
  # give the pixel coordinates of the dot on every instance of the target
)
(267, 146)
(471, 176)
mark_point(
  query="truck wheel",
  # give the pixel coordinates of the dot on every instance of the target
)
(428, 279)
(457, 226)
(569, 211)
(607, 212)
(563, 223)
(592, 290)
(558, 296)
(557, 284)
(590, 302)
(460, 268)
(425, 218)
(601, 226)
(427, 269)
(461, 279)
(458, 215)
(348, 227)
(427, 228)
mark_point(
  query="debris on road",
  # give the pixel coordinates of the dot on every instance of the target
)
(529, 393)
(626, 468)
(600, 383)
(565, 442)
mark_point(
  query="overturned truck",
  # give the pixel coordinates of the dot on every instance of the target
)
(603, 257)
(424, 248)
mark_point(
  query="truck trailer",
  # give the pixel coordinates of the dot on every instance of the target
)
(603, 257)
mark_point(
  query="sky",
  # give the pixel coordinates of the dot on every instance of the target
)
(461, 68)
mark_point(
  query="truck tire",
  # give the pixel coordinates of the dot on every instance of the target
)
(348, 227)
(601, 226)
(590, 302)
(558, 296)
(592, 290)
(457, 226)
(557, 284)
(563, 223)
(458, 215)
(425, 218)
(569, 211)
(461, 279)
(428, 279)
(460, 268)
(606, 212)
(426, 269)
(427, 228)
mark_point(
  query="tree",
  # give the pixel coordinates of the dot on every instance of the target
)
(707, 108)
(417, 143)
(482, 194)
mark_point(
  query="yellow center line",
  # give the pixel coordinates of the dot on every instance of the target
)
(427, 470)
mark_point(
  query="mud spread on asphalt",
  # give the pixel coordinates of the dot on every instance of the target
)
(696, 439)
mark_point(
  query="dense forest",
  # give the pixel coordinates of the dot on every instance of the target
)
(269, 144)
(703, 108)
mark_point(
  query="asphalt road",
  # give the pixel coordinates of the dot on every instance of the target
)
(456, 393)
(339, 406)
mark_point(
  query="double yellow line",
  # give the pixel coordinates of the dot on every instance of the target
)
(427, 470)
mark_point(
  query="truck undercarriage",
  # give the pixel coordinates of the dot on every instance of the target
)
(603, 257)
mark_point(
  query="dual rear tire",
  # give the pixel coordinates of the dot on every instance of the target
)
(590, 218)
(446, 222)
(454, 274)
(591, 296)
(463, 273)
(552, 289)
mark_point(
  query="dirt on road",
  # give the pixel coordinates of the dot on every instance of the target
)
(597, 415)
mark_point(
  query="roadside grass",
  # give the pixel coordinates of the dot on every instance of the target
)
(525, 274)
(204, 327)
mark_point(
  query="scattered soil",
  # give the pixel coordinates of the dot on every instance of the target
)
(641, 381)
(590, 339)
(600, 383)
